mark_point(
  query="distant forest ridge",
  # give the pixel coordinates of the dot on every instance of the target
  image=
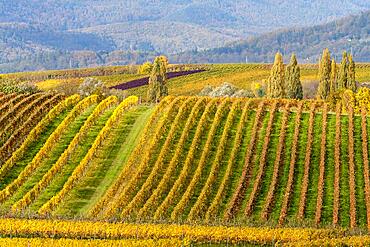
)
(25, 47)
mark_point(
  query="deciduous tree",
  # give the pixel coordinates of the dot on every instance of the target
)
(276, 81)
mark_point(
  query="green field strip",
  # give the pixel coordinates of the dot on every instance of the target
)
(310, 208)
(359, 175)
(32, 150)
(269, 166)
(107, 164)
(207, 168)
(344, 201)
(239, 163)
(299, 168)
(160, 164)
(225, 159)
(79, 153)
(149, 153)
(255, 164)
(328, 198)
(196, 156)
(284, 169)
(54, 154)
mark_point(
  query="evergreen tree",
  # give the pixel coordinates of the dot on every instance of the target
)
(275, 83)
(343, 71)
(333, 77)
(157, 80)
(293, 85)
(351, 76)
(324, 75)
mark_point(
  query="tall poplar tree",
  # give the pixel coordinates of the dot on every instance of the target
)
(343, 71)
(293, 85)
(157, 80)
(324, 75)
(333, 77)
(351, 76)
(276, 81)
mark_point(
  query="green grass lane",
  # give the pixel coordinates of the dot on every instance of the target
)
(79, 153)
(239, 163)
(254, 165)
(209, 159)
(284, 169)
(53, 156)
(359, 174)
(107, 164)
(314, 169)
(299, 168)
(269, 166)
(33, 149)
(344, 176)
(197, 154)
(328, 199)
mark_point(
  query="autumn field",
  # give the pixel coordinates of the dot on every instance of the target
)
(187, 171)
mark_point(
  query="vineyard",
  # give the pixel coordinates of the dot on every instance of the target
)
(217, 170)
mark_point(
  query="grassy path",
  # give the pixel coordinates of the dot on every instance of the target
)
(344, 176)
(79, 153)
(107, 165)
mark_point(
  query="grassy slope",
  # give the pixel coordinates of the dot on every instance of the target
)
(79, 153)
(107, 165)
(54, 154)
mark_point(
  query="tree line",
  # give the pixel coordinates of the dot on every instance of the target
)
(284, 81)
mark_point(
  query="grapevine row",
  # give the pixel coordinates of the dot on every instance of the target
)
(35, 133)
(338, 112)
(214, 207)
(156, 196)
(178, 185)
(11, 112)
(365, 154)
(277, 163)
(129, 189)
(307, 161)
(351, 158)
(293, 159)
(257, 182)
(320, 191)
(180, 207)
(238, 195)
(99, 140)
(9, 104)
(146, 189)
(48, 145)
(21, 133)
(19, 116)
(200, 206)
(112, 191)
(32, 194)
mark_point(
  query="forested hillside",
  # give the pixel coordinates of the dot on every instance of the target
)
(54, 34)
(350, 33)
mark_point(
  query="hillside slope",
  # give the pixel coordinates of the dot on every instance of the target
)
(351, 34)
(248, 162)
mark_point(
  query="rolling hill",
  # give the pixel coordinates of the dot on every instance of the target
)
(267, 162)
(71, 34)
(350, 33)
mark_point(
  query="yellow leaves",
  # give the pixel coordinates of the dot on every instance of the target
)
(183, 234)
(79, 170)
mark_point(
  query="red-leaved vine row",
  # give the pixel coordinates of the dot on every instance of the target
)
(302, 202)
(293, 159)
(351, 159)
